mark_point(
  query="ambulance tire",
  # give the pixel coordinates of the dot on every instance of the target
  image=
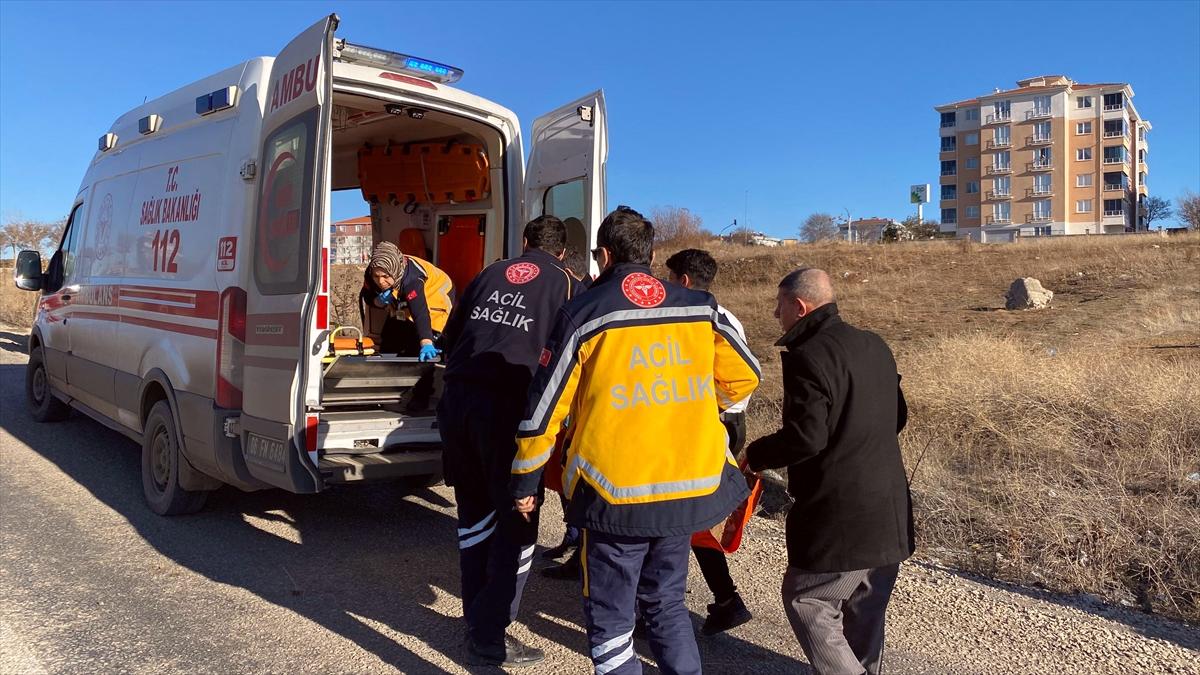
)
(160, 466)
(43, 404)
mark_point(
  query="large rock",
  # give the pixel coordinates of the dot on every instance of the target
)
(1027, 293)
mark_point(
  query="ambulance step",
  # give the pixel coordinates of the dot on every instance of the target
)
(374, 431)
(350, 468)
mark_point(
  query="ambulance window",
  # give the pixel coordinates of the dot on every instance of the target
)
(70, 242)
(281, 260)
(565, 200)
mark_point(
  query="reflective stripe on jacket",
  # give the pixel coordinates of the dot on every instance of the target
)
(643, 369)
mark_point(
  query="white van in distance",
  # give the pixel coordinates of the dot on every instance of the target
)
(188, 307)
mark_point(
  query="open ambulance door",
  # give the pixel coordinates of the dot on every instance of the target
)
(566, 175)
(286, 280)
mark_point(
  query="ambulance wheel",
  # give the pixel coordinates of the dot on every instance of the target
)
(43, 404)
(160, 466)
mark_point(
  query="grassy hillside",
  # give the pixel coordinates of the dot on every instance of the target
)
(1061, 446)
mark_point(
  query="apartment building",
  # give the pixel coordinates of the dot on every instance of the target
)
(350, 241)
(1049, 157)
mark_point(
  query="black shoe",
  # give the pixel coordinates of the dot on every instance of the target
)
(561, 550)
(513, 653)
(640, 631)
(568, 571)
(723, 616)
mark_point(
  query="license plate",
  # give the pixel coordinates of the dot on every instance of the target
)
(266, 452)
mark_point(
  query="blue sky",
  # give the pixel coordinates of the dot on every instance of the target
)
(791, 108)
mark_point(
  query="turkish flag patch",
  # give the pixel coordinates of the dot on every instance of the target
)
(544, 359)
(643, 290)
(412, 295)
(521, 273)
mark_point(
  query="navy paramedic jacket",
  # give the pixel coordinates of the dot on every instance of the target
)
(643, 368)
(500, 324)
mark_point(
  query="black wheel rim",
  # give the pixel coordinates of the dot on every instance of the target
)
(38, 388)
(160, 459)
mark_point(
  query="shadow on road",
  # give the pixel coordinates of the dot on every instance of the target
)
(361, 555)
(13, 342)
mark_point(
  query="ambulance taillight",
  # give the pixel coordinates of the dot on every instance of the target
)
(231, 347)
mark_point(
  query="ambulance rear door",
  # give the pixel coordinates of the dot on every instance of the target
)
(566, 175)
(284, 285)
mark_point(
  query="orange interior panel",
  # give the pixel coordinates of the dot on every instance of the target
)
(460, 248)
(451, 172)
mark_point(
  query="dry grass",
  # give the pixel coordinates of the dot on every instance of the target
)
(16, 306)
(1059, 442)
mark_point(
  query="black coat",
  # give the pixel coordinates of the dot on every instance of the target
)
(842, 410)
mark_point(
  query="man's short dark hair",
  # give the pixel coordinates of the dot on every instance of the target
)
(546, 233)
(697, 264)
(628, 236)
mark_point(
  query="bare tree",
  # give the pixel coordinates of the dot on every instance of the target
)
(819, 227)
(1155, 208)
(1189, 209)
(676, 225)
(741, 235)
(18, 234)
(915, 228)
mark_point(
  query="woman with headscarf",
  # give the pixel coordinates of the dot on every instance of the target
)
(409, 288)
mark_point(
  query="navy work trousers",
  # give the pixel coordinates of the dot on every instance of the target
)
(495, 544)
(619, 575)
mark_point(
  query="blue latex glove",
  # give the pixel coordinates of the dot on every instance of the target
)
(387, 297)
(428, 353)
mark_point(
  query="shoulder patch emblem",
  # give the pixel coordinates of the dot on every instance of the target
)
(643, 290)
(521, 273)
(544, 359)
(412, 295)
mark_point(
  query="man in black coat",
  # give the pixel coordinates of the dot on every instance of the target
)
(851, 524)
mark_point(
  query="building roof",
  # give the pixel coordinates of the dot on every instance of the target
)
(1026, 89)
(361, 220)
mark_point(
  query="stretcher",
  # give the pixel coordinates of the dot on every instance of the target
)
(435, 173)
(726, 536)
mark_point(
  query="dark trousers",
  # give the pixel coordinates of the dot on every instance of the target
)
(838, 617)
(715, 569)
(495, 544)
(621, 574)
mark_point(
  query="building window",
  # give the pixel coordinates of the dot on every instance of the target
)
(1114, 207)
(1083, 127)
(948, 119)
(1003, 160)
(949, 192)
(973, 138)
(949, 167)
(1141, 133)
(1083, 154)
(1114, 128)
(1083, 101)
(1114, 101)
(972, 187)
(1002, 185)
(1002, 212)
(1041, 209)
(950, 216)
(972, 212)
(1083, 180)
(1043, 157)
(1002, 135)
(1041, 131)
(1041, 105)
(948, 144)
(1041, 184)
(1083, 206)
(973, 162)
(1115, 154)
(1116, 180)
(1142, 156)
(972, 114)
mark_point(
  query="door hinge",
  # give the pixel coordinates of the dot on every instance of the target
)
(585, 114)
(249, 170)
(233, 427)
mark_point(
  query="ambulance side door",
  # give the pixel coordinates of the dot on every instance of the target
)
(566, 173)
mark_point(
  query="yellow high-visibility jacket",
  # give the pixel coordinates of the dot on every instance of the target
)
(643, 368)
(438, 292)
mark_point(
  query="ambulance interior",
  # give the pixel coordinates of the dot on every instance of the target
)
(434, 185)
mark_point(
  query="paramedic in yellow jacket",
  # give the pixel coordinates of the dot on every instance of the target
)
(643, 368)
(406, 284)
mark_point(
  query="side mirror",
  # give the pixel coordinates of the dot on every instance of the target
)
(27, 274)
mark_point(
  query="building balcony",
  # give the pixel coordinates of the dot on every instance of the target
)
(995, 195)
(948, 125)
(998, 220)
(1039, 191)
(1038, 140)
(949, 172)
(994, 170)
(999, 143)
(1115, 160)
(1117, 217)
(1040, 165)
(1114, 134)
(1038, 114)
(998, 118)
(1115, 187)
(1114, 107)
(945, 150)
(1038, 218)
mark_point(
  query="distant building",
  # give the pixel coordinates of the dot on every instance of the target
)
(350, 241)
(866, 230)
(1051, 157)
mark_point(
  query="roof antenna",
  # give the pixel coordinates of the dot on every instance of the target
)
(144, 99)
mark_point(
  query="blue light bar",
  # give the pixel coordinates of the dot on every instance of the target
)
(397, 63)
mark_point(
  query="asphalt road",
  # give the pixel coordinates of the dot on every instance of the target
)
(360, 580)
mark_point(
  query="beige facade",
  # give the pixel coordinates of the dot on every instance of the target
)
(1052, 156)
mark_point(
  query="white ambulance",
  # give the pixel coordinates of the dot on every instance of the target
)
(188, 303)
